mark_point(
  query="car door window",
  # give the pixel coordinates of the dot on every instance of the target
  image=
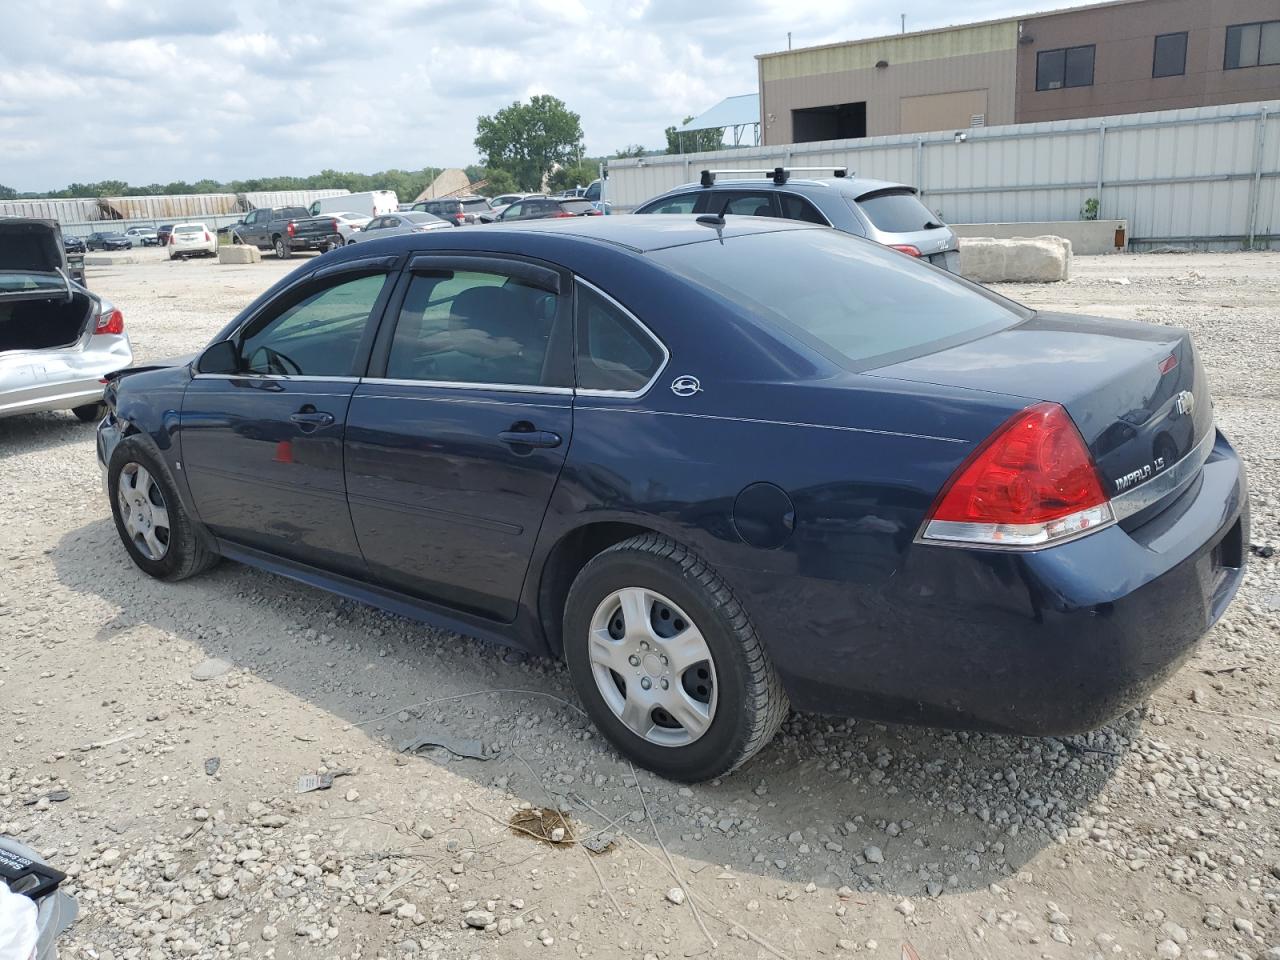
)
(614, 353)
(375, 224)
(743, 203)
(317, 335)
(473, 327)
(795, 207)
(681, 203)
(513, 212)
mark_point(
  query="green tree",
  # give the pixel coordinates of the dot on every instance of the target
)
(631, 150)
(528, 139)
(7, 193)
(574, 175)
(693, 141)
(500, 181)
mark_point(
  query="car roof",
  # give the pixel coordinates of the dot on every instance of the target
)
(638, 234)
(850, 186)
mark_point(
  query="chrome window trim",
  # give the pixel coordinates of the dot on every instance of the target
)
(463, 385)
(301, 378)
(1162, 484)
(620, 394)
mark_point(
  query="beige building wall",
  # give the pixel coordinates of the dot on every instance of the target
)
(1124, 38)
(935, 77)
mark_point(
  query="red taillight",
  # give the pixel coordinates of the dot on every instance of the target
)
(172, 239)
(1031, 483)
(907, 248)
(207, 238)
(290, 229)
(334, 226)
(1168, 364)
(460, 217)
(109, 321)
(563, 214)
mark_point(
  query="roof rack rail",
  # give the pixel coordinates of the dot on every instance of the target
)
(778, 175)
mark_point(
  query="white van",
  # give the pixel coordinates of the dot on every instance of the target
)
(372, 203)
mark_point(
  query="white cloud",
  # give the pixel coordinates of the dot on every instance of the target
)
(242, 88)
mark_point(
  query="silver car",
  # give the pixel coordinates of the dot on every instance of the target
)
(58, 341)
(888, 213)
(398, 224)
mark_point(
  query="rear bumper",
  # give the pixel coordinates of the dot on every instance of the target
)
(315, 243)
(1046, 643)
(36, 381)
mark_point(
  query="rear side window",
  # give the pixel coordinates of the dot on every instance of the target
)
(681, 203)
(742, 204)
(860, 303)
(896, 211)
(798, 208)
(317, 336)
(474, 327)
(613, 352)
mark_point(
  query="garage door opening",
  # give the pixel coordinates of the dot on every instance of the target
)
(839, 121)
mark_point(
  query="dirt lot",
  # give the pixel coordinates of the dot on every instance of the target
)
(1155, 837)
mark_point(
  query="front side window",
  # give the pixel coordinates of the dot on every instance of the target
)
(317, 336)
(1068, 67)
(1171, 55)
(613, 352)
(474, 327)
(1252, 45)
(513, 212)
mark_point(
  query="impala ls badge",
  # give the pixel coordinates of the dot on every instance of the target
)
(1186, 401)
(685, 386)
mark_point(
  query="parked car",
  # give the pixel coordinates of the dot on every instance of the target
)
(718, 465)
(460, 211)
(57, 340)
(162, 233)
(73, 244)
(536, 208)
(371, 203)
(286, 229)
(350, 223)
(108, 240)
(502, 201)
(398, 224)
(146, 236)
(192, 240)
(888, 213)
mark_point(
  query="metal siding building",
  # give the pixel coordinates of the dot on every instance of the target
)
(1000, 71)
(1208, 175)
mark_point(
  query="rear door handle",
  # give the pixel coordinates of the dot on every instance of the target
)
(312, 418)
(530, 438)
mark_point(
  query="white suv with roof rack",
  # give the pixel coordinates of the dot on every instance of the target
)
(883, 211)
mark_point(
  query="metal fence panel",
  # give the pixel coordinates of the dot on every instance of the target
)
(1203, 174)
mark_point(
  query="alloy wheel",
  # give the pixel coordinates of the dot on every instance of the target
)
(653, 667)
(143, 511)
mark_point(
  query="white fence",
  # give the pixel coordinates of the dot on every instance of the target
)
(1208, 176)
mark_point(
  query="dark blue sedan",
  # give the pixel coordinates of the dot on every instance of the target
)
(721, 468)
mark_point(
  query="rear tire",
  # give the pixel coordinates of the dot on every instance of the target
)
(282, 249)
(90, 412)
(156, 532)
(695, 651)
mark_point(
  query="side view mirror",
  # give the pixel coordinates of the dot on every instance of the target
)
(220, 357)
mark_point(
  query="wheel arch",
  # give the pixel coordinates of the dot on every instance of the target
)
(566, 559)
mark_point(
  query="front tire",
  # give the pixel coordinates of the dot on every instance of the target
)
(150, 519)
(667, 663)
(90, 412)
(282, 249)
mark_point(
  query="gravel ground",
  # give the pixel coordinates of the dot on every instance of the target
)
(184, 834)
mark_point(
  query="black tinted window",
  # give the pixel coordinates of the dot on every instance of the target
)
(743, 204)
(578, 207)
(476, 206)
(472, 327)
(1171, 55)
(866, 304)
(315, 337)
(1070, 67)
(798, 208)
(613, 353)
(896, 211)
(1252, 45)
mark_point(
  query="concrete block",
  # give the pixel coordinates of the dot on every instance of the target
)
(1088, 237)
(1022, 260)
(239, 253)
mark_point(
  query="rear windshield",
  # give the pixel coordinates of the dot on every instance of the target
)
(862, 304)
(189, 228)
(292, 213)
(576, 206)
(897, 211)
(474, 206)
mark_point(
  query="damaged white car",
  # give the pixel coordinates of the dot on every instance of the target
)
(58, 341)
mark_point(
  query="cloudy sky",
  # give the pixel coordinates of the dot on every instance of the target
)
(158, 90)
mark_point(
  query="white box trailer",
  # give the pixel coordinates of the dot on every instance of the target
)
(371, 203)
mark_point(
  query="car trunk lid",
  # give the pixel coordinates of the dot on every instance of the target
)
(32, 261)
(1137, 393)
